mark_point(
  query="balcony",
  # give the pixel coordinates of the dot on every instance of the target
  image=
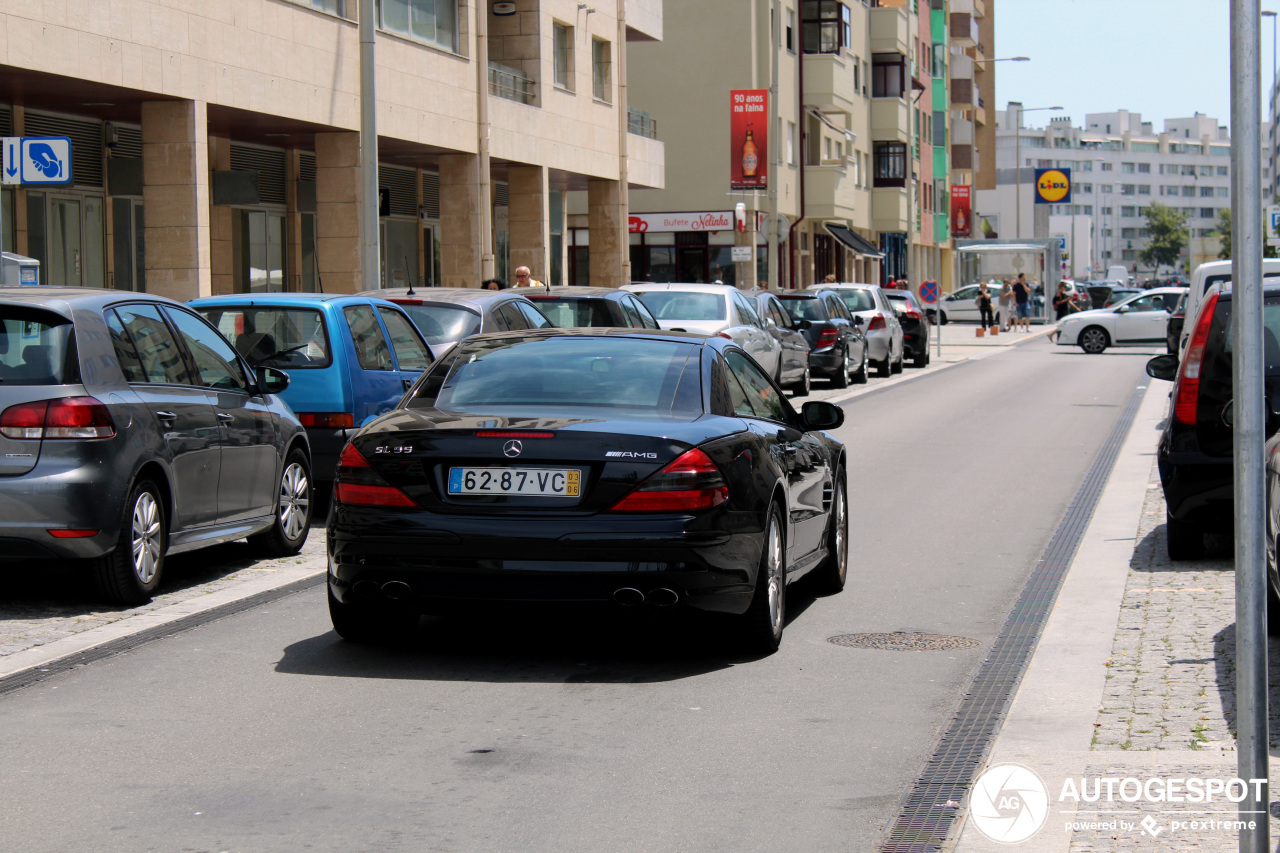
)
(509, 83)
(828, 82)
(961, 131)
(890, 209)
(644, 20)
(964, 29)
(890, 31)
(961, 67)
(962, 157)
(646, 162)
(890, 120)
(964, 93)
(642, 124)
(829, 191)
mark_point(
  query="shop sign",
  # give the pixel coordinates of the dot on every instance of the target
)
(708, 220)
(1053, 186)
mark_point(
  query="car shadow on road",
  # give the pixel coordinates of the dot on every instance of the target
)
(542, 644)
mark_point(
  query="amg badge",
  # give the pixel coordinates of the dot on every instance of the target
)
(627, 454)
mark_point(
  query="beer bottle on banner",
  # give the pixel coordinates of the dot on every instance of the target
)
(750, 158)
(962, 221)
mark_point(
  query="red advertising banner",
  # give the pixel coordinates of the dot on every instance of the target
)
(961, 212)
(748, 139)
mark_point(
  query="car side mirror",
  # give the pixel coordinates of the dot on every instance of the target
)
(1123, 309)
(802, 325)
(272, 380)
(857, 321)
(1163, 367)
(819, 414)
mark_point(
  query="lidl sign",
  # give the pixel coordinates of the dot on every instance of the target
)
(1053, 186)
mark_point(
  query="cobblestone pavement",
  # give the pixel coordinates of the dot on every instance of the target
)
(37, 609)
(1170, 692)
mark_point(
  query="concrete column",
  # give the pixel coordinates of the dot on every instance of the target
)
(221, 224)
(338, 212)
(460, 210)
(607, 221)
(175, 192)
(293, 222)
(528, 218)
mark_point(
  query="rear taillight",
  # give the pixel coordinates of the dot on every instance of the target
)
(827, 337)
(405, 301)
(692, 482)
(725, 335)
(328, 420)
(511, 433)
(1187, 391)
(911, 314)
(877, 322)
(68, 417)
(358, 484)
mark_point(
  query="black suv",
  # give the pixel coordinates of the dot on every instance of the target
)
(837, 346)
(1195, 449)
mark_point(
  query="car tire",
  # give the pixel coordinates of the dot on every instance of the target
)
(131, 572)
(862, 374)
(804, 386)
(1094, 340)
(830, 575)
(369, 623)
(840, 379)
(920, 357)
(896, 367)
(1184, 541)
(293, 510)
(884, 367)
(944, 320)
(766, 616)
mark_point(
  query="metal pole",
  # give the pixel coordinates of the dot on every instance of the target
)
(775, 108)
(369, 254)
(1249, 420)
(1017, 177)
(484, 175)
(624, 162)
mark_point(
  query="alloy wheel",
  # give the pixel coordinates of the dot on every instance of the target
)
(146, 536)
(775, 574)
(294, 501)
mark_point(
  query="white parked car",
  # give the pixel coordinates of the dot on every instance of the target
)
(885, 340)
(711, 309)
(1142, 320)
(962, 305)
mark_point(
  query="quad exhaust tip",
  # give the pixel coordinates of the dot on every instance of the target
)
(630, 597)
(662, 597)
(397, 590)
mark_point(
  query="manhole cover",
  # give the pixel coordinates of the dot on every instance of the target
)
(903, 641)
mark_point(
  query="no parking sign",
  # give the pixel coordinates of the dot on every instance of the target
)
(929, 292)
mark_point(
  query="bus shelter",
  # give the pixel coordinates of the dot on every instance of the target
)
(996, 260)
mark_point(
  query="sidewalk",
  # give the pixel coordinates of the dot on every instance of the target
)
(1132, 678)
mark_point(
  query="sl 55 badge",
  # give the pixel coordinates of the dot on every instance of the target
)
(398, 448)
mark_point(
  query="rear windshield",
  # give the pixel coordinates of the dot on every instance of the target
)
(805, 308)
(859, 300)
(675, 305)
(541, 374)
(34, 348)
(271, 335)
(564, 313)
(442, 324)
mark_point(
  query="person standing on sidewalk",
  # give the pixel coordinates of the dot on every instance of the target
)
(525, 279)
(1006, 305)
(1022, 302)
(1062, 306)
(985, 317)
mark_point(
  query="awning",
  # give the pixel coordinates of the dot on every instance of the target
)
(852, 240)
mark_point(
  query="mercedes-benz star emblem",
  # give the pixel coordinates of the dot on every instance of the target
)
(512, 448)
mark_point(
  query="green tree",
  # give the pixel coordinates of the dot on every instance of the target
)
(1168, 230)
(1223, 232)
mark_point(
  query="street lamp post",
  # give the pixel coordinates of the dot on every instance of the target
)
(1017, 167)
(1271, 94)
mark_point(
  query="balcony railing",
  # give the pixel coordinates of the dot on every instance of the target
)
(641, 124)
(511, 84)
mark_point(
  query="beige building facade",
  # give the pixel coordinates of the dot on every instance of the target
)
(216, 145)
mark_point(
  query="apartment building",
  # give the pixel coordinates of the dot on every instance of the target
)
(215, 146)
(1119, 165)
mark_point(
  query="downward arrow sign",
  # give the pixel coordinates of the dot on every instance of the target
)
(11, 160)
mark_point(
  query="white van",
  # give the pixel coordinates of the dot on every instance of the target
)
(1120, 273)
(1205, 277)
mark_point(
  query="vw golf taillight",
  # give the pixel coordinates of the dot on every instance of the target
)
(690, 483)
(67, 417)
(826, 338)
(877, 322)
(1187, 391)
(359, 485)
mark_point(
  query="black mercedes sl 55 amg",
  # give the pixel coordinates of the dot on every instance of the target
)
(588, 465)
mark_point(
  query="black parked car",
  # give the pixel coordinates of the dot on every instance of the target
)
(794, 372)
(915, 324)
(131, 429)
(837, 347)
(1195, 449)
(567, 307)
(588, 465)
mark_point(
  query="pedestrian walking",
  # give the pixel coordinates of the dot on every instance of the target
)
(986, 318)
(1007, 306)
(1062, 306)
(1022, 302)
(524, 278)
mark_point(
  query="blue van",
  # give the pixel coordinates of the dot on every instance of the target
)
(348, 357)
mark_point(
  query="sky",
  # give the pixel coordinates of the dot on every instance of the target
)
(1161, 58)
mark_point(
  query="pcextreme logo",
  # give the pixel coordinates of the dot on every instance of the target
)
(1053, 185)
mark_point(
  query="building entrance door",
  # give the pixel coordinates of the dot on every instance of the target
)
(691, 265)
(64, 241)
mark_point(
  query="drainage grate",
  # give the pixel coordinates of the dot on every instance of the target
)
(28, 677)
(903, 641)
(923, 821)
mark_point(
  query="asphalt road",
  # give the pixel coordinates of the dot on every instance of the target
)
(554, 731)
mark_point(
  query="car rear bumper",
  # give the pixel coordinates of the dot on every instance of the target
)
(326, 446)
(827, 361)
(435, 562)
(53, 497)
(1198, 489)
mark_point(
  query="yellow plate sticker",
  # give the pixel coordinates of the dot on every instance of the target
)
(572, 486)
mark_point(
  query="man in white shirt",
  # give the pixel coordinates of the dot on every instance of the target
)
(525, 279)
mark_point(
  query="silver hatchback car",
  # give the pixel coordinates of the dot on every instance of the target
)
(131, 429)
(880, 323)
